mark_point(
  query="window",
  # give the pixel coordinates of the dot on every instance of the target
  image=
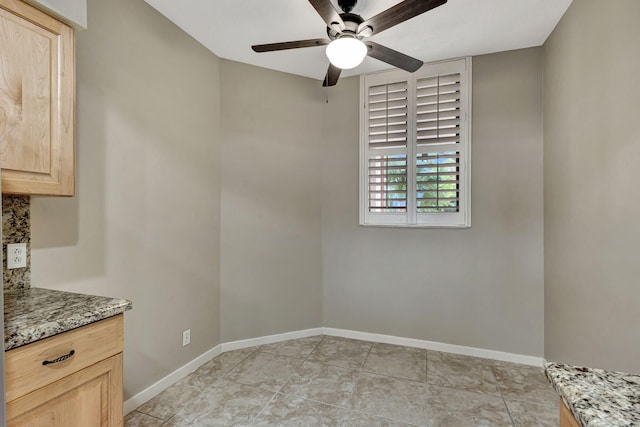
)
(415, 137)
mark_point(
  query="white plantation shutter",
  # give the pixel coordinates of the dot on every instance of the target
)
(386, 137)
(415, 146)
(438, 182)
(387, 183)
(387, 115)
(438, 109)
(438, 124)
(387, 134)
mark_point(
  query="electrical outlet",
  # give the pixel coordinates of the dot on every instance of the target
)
(186, 337)
(16, 255)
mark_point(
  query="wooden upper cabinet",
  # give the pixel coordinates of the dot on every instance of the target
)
(37, 97)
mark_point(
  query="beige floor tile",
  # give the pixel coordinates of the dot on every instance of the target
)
(265, 370)
(224, 362)
(392, 398)
(397, 361)
(138, 419)
(521, 382)
(223, 404)
(341, 352)
(449, 407)
(324, 383)
(335, 387)
(286, 410)
(530, 414)
(294, 348)
(167, 403)
(460, 372)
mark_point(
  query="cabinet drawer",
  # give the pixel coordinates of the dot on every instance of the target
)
(74, 401)
(24, 369)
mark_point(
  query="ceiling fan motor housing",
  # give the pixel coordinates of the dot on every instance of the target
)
(351, 24)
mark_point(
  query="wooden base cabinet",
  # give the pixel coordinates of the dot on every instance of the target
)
(91, 397)
(566, 417)
(72, 392)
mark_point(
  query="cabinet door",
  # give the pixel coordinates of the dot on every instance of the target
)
(37, 91)
(90, 397)
(566, 417)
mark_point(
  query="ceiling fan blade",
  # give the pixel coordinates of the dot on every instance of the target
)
(289, 45)
(329, 13)
(399, 13)
(393, 57)
(333, 74)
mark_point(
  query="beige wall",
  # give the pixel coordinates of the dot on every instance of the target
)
(145, 222)
(592, 202)
(242, 220)
(270, 247)
(479, 287)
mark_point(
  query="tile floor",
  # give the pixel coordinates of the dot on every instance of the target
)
(329, 381)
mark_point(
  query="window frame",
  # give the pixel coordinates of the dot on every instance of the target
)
(411, 218)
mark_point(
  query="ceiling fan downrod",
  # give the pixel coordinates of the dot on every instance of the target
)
(347, 5)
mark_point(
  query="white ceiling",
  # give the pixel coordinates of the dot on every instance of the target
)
(459, 28)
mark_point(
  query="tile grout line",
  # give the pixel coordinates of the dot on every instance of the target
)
(426, 367)
(388, 376)
(281, 388)
(152, 416)
(482, 393)
(508, 411)
(367, 358)
(264, 407)
(164, 423)
(279, 391)
(352, 410)
(314, 349)
(302, 363)
(238, 364)
(343, 408)
(216, 380)
(351, 397)
(213, 384)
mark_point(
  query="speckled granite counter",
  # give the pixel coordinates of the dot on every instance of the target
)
(35, 313)
(597, 398)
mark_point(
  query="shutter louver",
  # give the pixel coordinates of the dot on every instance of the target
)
(438, 182)
(438, 110)
(387, 184)
(387, 107)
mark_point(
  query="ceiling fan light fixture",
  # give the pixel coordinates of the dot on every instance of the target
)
(346, 52)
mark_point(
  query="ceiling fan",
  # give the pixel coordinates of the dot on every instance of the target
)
(346, 31)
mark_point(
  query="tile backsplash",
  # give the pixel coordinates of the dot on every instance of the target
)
(16, 228)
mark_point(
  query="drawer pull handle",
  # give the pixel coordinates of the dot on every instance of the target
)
(59, 359)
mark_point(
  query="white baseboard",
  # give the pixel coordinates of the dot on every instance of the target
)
(159, 386)
(436, 346)
(175, 376)
(270, 339)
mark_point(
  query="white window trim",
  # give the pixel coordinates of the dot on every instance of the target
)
(411, 219)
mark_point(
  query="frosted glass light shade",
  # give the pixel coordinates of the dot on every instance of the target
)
(346, 52)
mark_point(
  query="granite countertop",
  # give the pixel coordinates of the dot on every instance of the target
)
(597, 398)
(35, 313)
